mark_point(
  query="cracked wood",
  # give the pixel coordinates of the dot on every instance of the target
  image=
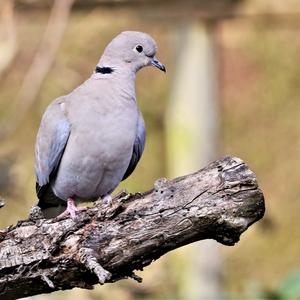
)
(105, 244)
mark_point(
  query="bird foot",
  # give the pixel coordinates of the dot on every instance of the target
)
(108, 200)
(71, 209)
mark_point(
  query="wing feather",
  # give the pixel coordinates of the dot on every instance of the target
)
(138, 147)
(51, 141)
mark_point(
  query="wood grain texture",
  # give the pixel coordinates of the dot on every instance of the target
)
(105, 244)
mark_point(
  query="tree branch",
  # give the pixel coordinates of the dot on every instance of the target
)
(106, 244)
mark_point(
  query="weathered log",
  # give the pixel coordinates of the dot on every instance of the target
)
(105, 244)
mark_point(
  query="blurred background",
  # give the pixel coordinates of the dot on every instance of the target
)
(232, 87)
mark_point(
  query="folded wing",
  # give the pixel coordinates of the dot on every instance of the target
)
(138, 147)
(51, 141)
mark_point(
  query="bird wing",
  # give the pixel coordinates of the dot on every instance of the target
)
(51, 141)
(138, 146)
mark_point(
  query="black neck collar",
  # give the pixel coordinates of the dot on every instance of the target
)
(104, 70)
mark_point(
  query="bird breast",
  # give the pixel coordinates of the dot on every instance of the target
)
(98, 151)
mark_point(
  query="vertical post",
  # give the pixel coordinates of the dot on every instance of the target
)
(192, 139)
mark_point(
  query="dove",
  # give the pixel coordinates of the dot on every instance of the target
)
(92, 139)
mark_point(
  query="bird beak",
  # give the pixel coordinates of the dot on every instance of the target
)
(156, 63)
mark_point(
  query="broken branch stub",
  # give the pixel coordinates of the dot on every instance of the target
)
(105, 244)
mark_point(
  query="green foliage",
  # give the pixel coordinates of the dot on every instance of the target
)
(289, 289)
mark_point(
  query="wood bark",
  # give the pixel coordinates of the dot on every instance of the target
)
(105, 244)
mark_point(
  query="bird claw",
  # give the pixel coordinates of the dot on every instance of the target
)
(71, 210)
(108, 200)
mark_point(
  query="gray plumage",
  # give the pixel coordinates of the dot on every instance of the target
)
(93, 138)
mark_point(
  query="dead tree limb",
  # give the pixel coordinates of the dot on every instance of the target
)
(105, 244)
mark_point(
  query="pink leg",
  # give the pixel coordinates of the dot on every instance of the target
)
(108, 200)
(71, 209)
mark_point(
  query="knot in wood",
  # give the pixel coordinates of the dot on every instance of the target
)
(161, 189)
(35, 214)
(160, 183)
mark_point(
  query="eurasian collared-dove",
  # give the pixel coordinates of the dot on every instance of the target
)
(92, 139)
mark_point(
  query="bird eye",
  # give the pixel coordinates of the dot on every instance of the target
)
(139, 48)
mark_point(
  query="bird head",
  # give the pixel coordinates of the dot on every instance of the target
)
(131, 50)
